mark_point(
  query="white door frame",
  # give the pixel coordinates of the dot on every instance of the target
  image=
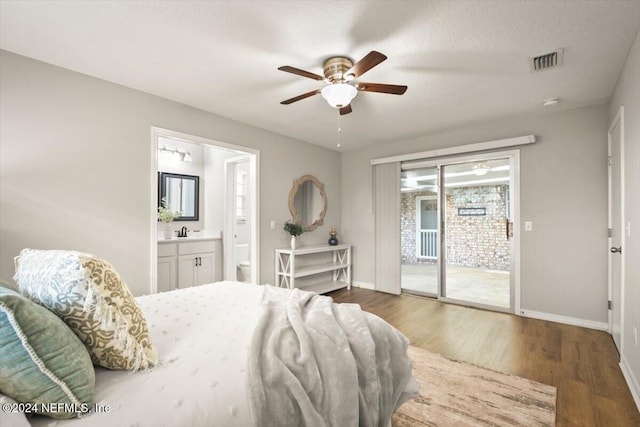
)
(514, 172)
(619, 118)
(229, 232)
(254, 159)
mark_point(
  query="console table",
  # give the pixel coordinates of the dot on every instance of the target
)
(290, 266)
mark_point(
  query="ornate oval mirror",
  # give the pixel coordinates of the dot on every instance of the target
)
(308, 202)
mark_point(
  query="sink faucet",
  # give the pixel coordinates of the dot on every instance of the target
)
(182, 232)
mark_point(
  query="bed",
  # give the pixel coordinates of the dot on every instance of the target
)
(235, 354)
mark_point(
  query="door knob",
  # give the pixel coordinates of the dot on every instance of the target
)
(616, 250)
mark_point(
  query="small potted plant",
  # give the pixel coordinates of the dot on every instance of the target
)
(166, 215)
(295, 229)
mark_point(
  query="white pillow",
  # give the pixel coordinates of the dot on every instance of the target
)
(90, 297)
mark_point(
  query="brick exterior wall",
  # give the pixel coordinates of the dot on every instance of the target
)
(478, 241)
(473, 241)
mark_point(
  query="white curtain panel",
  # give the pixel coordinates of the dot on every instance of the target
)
(386, 178)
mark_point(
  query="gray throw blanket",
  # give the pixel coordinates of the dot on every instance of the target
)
(316, 363)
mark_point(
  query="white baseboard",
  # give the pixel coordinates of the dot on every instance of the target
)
(364, 285)
(601, 326)
(631, 379)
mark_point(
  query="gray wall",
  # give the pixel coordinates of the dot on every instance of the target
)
(75, 162)
(563, 191)
(627, 93)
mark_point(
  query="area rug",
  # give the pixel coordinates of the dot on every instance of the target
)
(459, 394)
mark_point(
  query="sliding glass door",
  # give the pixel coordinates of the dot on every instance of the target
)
(457, 231)
(476, 214)
(420, 241)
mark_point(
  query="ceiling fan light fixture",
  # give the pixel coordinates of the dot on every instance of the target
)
(339, 95)
(339, 71)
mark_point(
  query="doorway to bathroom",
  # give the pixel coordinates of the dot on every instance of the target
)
(215, 235)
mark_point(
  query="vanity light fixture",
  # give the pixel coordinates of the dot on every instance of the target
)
(175, 154)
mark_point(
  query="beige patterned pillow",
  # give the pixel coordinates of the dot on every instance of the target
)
(88, 294)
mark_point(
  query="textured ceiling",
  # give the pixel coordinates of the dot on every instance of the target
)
(464, 61)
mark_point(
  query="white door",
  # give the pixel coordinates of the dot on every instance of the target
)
(427, 227)
(616, 229)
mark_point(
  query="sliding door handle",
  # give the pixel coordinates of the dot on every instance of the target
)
(509, 229)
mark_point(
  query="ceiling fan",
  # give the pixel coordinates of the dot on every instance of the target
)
(340, 74)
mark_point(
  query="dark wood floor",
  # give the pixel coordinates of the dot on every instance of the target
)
(582, 363)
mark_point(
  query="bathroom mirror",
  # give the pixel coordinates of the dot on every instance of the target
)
(308, 202)
(181, 193)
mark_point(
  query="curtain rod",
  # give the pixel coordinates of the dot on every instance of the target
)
(467, 148)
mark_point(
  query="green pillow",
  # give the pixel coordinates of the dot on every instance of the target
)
(42, 362)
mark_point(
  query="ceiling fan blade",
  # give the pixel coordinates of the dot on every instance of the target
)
(370, 60)
(299, 72)
(300, 97)
(345, 110)
(382, 88)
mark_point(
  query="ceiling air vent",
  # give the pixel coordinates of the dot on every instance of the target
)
(546, 60)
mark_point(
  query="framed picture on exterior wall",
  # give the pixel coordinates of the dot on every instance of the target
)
(472, 211)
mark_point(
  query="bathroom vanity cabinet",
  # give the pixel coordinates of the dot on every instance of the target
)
(186, 262)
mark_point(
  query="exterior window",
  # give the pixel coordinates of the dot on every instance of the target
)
(241, 193)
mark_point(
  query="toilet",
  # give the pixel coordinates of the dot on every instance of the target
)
(244, 263)
(244, 271)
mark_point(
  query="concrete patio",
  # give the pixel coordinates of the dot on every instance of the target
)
(475, 285)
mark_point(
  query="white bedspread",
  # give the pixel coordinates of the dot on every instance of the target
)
(202, 335)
